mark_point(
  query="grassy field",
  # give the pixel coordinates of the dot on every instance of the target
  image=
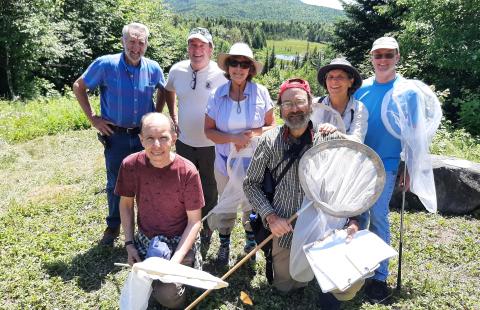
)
(292, 47)
(52, 214)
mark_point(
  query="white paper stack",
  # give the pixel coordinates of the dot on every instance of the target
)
(337, 264)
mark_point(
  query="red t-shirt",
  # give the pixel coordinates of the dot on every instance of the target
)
(163, 195)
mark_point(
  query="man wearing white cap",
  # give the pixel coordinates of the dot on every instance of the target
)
(375, 91)
(191, 81)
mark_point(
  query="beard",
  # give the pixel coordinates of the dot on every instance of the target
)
(297, 120)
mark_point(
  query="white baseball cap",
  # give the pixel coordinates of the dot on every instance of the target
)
(385, 42)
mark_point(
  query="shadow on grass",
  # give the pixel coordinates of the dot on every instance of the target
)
(90, 268)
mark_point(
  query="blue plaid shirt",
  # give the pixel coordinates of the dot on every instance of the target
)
(126, 92)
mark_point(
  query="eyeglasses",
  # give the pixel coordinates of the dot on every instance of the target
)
(299, 103)
(149, 141)
(382, 56)
(243, 64)
(193, 83)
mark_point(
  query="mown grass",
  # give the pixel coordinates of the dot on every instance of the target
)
(293, 47)
(52, 213)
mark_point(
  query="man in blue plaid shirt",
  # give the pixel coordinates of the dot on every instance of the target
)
(127, 83)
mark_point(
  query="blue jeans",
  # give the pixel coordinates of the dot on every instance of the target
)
(119, 146)
(377, 215)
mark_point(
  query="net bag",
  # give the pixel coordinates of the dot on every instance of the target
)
(233, 197)
(411, 112)
(342, 178)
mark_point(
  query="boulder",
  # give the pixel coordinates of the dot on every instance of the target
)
(457, 183)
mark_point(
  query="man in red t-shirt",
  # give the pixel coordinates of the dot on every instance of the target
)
(167, 190)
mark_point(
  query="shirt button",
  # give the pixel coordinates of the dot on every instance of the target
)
(135, 112)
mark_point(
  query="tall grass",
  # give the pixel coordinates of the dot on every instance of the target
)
(25, 121)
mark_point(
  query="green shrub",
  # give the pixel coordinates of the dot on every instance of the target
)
(455, 142)
(25, 121)
(469, 111)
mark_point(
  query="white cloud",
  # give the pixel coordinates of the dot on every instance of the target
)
(334, 4)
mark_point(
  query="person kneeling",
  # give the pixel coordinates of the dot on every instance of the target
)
(167, 190)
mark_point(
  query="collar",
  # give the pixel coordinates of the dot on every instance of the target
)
(224, 90)
(124, 62)
(350, 104)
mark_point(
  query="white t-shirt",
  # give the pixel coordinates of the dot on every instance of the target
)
(238, 116)
(192, 103)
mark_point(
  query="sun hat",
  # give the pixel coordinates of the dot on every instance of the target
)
(238, 49)
(342, 64)
(294, 83)
(202, 34)
(385, 42)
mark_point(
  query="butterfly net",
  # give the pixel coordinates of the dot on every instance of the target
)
(342, 178)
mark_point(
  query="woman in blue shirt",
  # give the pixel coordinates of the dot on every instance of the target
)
(236, 112)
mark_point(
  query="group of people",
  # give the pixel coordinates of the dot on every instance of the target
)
(214, 107)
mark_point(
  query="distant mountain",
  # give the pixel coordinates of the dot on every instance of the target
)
(272, 10)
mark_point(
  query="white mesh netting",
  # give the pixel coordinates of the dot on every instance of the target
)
(413, 115)
(343, 178)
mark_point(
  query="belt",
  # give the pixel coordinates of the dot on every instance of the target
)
(131, 131)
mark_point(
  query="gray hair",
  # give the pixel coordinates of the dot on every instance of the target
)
(135, 26)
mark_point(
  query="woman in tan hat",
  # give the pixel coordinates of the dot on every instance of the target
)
(236, 112)
(339, 110)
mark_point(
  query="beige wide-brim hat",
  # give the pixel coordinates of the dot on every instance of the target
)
(238, 49)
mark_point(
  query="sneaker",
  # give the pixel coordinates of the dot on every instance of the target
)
(377, 292)
(109, 236)
(223, 255)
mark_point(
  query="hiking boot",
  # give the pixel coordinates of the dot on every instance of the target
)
(377, 292)
(223, 254)
(109, 236)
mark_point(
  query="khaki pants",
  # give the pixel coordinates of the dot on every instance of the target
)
(282, 280)
(224, 222)
(172, 295)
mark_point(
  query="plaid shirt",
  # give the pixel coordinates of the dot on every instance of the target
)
(289, 194)
(126, 92)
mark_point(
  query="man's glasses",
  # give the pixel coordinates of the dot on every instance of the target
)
(382, 56)
(299, 103)
(243, 64)
(193, 83)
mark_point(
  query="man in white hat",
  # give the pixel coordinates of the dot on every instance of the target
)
(375, 91)
(191, 81)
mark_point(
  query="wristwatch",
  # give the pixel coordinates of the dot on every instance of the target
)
(127, 243)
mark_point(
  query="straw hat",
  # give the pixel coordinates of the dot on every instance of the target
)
(238, 49)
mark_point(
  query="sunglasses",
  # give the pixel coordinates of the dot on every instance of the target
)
(382, 56)
(193, 83)
(243, 64)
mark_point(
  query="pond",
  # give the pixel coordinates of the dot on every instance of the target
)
(285, 57)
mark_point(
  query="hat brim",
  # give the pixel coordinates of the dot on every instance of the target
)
(222, 58)
(385, 46)
(357, 78)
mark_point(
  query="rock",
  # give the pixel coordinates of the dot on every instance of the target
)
(457, 183)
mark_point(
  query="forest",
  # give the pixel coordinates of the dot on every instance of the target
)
(44, 49)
